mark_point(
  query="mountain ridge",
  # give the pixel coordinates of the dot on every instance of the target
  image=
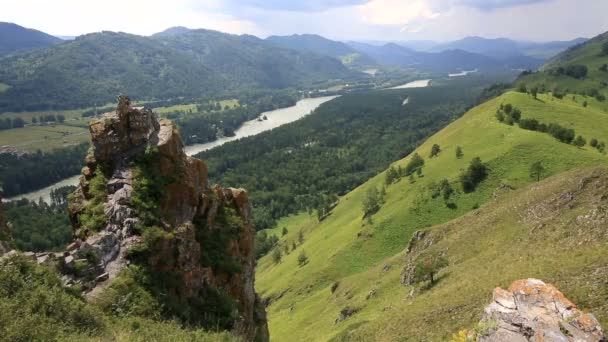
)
(93, 68)
(17, 39)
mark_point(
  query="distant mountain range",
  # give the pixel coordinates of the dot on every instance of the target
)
(39, 71)
(15, 38)
(94, 68)
(503, 47)
(470, 52)
(392, 54)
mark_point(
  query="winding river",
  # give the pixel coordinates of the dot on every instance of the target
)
(274, 119)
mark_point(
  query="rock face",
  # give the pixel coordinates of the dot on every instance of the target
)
(192, 215)
(532, 310)
(5, 232)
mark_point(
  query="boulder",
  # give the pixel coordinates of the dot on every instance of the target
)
(531, 310)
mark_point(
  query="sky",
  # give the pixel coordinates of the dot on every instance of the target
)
(363, 20)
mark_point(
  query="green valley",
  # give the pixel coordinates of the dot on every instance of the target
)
(357, 170)
(342, 144)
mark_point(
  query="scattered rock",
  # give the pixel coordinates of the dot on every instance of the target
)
(371, 294)
(386, 268)
(532, 310)
(103, 277)
(346, 313)
(68, 261)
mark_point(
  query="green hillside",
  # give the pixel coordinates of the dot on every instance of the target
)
(561, 75)
(94, 68)
(346, 249)
(37, 307)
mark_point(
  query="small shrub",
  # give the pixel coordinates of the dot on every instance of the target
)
(372, 202)
(435, 150)
(529, 124)
(392, 175)
(521, 87)
(302, 259)
(476, 172)
(428, 265)
(579, 141)
(415, 163)
(127, 297)
(459, 153)
(593, 142)
(537, 170)
(93, 217)
(277, 256)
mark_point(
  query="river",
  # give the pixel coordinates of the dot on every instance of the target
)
(414, 84)
(274, 118)
(462, 73)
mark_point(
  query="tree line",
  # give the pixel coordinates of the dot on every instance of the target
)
(510, 115)
(28, 172)
(39, 226)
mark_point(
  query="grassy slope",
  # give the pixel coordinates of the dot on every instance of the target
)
(342, 248)
(588, 54)
(44, 138)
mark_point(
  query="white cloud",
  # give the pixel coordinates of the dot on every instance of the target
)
(396, 12)
(367, 19)
(72, 17)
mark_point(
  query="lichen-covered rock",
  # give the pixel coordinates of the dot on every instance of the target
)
(195, 224)
(531, 310)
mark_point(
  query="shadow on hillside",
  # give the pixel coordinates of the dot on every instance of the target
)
(429, 286)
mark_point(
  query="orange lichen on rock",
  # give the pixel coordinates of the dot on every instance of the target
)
(532, 310)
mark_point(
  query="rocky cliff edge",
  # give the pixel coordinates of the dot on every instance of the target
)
(138, 180)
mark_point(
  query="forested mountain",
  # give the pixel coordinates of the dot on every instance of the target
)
(15, 38)
(312, 43)
(93, 68)
(172, 31)
(322, 46)
(482, 203)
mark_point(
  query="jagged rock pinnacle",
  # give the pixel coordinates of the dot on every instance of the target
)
(188, 209)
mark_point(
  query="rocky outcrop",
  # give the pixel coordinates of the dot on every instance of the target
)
(150, 183)
(5, 232)
(531, 310)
